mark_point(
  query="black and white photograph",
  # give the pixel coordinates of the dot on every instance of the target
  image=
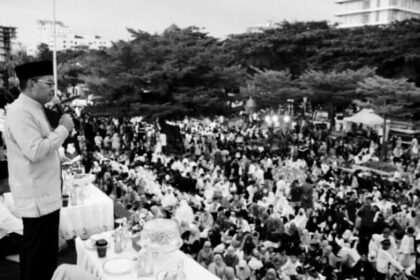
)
(210, 140)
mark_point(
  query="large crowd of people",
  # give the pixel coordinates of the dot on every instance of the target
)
(253, 200)
(251, 209)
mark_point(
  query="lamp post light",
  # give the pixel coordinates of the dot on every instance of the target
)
(290, 105)
(272, 121)
(254, 116)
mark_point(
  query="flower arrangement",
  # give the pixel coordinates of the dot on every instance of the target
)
(137, 220)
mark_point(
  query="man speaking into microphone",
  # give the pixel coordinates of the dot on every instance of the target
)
(54, 111)
(34, 168)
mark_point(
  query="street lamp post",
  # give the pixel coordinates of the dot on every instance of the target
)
(384, 150)
(54, 53)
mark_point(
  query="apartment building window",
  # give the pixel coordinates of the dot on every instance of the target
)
(393, 2)
(392, 16)
(365, 18)
(366, 4)
(377, 16)
(378, 3)
(408, 4)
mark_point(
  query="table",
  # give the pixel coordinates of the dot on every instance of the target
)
(94, 216)
(88, 259)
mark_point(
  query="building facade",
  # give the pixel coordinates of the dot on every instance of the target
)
(261, 28)
(356, 13)
(65, 38)
(7, 36)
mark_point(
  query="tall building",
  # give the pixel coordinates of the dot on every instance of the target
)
(7, 35)
(65, 38)
(376, 12)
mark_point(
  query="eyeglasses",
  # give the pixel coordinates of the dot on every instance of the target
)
(48, 83)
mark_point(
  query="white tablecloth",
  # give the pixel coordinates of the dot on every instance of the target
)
(94, 216)
(88, 259)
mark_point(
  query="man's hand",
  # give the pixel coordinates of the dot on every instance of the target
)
(67, 121)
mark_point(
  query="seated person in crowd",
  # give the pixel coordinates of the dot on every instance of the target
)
(11, 230)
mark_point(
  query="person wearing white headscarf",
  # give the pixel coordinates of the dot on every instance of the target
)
(414, 149)
(300, 220)
(184, 213)
(407, 253)
(169, 199)
(282, 205)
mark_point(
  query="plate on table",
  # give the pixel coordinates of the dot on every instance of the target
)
(118, 266)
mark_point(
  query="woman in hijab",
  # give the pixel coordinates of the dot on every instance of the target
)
(313, 224)
(270, 275)
(237, 239)
(217, 267)
(248, 246)
(243, 272)
(414, 149)
(301, 219)
(205, 220)
(205, 255)
(407, 251)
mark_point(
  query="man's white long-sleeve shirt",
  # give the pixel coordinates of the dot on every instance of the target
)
(33, 160)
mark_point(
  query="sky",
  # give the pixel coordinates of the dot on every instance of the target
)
(110, 18)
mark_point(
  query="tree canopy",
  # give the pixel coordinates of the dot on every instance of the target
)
(194, 73)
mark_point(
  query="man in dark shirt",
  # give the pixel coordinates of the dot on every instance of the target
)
(351, 207)
(295, 194)
(366, 225)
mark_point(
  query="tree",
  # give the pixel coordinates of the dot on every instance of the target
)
(389, 97)
(7, 68)
(271, 88)
(288, 47)
(186, 66)
(393, 89)
(336, 89)
(299, 46)
(44, 52)
(182, 67)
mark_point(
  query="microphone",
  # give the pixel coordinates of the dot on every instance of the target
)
(58, 108)
(53, 112)
(55, 105)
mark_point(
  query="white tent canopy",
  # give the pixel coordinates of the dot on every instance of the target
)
(366, 117)
(79, 102)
